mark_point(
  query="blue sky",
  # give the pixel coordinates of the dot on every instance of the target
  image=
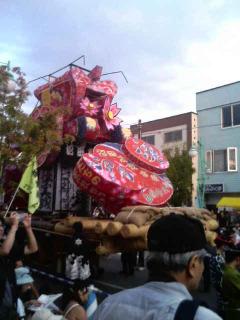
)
(168, 49)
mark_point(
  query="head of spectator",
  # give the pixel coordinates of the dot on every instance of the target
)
(232, 257)
(80, 287)
(78, 233)
(23, 276)
(78, 228)
(24, 283)
(177, 249)
(221, 243)
(77, 292)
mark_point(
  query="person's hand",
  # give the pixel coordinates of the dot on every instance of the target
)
(35, 303)
(14, 220)
(27, 221)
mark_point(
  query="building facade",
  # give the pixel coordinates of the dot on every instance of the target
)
(219, 136)
(179, 131)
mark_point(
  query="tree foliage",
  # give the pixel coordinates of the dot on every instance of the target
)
(180, 174)
(17, 129)
(12, 117)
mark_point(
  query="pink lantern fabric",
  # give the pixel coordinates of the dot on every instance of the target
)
(145, 155)
(122, 181)
(89, 115)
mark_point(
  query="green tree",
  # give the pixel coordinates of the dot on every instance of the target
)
(17, 129)
(13, 94)
(180, 174)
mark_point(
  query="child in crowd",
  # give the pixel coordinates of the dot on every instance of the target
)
(27, 292)
(25, 283)
(79, 302)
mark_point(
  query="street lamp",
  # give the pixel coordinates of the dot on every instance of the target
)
(197, 150)
(139, 126)
(193, 152)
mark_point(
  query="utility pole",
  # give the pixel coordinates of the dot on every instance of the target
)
(139, 125)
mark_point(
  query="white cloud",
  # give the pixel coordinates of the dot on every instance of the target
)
(170, 89)
(166, 60)
(123, 18)
(215, 63)
(216, 4)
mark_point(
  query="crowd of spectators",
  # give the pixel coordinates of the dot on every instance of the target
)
(178, 253)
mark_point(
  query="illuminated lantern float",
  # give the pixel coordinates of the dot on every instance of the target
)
(120, 170)
(118, 175)
(91, 116)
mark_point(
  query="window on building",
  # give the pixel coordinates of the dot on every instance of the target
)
(231, 116)
(236, 114)
(223, 160)
(209, 161)
(173, 136)
(220, 160)
(232, 159)
(149, 139)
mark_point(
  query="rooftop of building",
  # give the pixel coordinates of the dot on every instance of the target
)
(224, 85)
(167, 121)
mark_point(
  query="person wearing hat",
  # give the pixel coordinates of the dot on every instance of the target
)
(23, 276)
(25, 284)
(231, 284)
(175, 264)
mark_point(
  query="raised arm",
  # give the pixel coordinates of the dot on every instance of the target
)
(32, 245)
(8, 242)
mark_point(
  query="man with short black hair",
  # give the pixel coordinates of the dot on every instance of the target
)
(177, 249)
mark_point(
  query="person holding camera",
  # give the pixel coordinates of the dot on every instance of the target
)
(9, 253)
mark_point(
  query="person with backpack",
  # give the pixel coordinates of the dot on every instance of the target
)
(177, 249)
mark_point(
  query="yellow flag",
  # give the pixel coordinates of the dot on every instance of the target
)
(29, 184)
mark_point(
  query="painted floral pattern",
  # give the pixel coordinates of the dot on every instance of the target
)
(110, 112)
(88, 108)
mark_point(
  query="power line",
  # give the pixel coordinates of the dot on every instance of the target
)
(183, 129)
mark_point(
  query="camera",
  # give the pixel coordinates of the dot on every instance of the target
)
(21, 216)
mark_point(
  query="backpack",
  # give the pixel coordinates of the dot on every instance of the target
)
(187, 309)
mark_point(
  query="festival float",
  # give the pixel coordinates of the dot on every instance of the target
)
(104, 168)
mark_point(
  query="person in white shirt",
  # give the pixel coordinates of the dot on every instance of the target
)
(177, 249)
